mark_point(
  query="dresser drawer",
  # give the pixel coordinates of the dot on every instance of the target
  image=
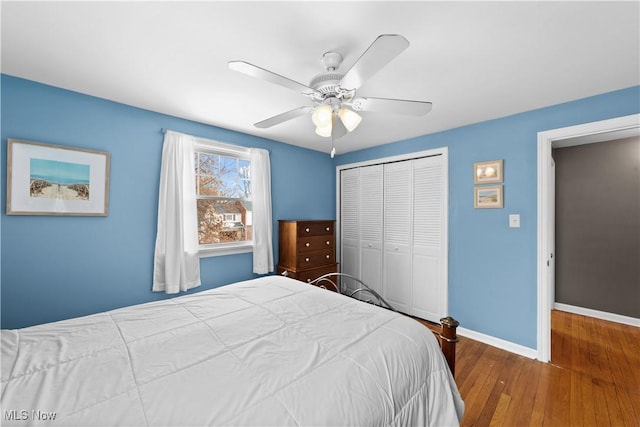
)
(315, 259)
(315, 243)
(315, 228)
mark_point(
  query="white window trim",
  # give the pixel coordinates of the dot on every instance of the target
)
(216, 147)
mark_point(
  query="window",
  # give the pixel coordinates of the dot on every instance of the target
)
(223, 192)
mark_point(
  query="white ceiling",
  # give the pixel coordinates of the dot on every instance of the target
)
(474, 60)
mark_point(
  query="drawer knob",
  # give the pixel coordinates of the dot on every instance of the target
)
(308, 280)
(328, 242)
(307, 229)
(306, 260)
(370, 245)
(328, 228)
(328, 256)
(307, 244)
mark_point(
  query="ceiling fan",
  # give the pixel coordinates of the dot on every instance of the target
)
(334, 93)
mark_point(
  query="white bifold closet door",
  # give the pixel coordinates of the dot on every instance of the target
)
(429, 254)
(398, 201)
(393, 232)
(349, 226)
(370, 219)
(361, 226)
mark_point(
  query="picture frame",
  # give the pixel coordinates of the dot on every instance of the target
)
(488, 196)
(489, 172)
(47, 179)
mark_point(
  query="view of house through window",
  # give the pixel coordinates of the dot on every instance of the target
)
(223, 190)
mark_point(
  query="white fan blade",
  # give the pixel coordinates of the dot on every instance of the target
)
(380, 53)
(283, 117)
(270, 76)
(338, 129)
(395, 106)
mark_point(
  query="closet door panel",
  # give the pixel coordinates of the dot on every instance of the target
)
(428, 234)
(397, 267)
(349, 265)
(349, 226)
(371, 226)
(397, 234)
(426, 286)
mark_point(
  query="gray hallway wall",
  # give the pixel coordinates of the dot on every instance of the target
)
(598, 226)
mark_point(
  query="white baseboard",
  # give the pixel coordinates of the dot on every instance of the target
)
(499, 343)
(612, 317)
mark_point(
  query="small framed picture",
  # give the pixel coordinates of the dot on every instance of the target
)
(487, 172)
(45, 179)
(489, 196)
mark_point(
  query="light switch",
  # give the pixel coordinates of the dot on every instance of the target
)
(514, 220)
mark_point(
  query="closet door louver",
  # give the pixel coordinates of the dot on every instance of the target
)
(428, 230)
(349, 225)
(398, 203)
(371, 203)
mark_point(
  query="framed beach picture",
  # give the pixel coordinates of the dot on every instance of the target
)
(45, 179)
(487, 172)
(488, 197)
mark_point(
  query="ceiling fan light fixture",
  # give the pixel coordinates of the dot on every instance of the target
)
(324, 131)
(321, 116)
(349, 118)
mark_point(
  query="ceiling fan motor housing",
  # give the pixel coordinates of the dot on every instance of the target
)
(327, 82)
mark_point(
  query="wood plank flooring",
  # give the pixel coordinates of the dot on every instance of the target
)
(593, 380)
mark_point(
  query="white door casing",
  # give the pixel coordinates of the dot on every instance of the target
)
(547, 140)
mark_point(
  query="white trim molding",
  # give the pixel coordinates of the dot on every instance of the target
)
(603, 315)
(530, 353)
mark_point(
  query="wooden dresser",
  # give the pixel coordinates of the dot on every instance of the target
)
(307, 249)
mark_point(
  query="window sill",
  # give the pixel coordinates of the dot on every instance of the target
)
(207, 251)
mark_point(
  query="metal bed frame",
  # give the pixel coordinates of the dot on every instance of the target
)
(445, 331)
(363, 289)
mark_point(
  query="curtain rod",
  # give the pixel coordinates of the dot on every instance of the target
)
(163, 131)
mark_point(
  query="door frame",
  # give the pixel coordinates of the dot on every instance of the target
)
(441, 151)
(547, 140)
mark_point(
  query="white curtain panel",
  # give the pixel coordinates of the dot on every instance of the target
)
(261, 202)
(176, 261)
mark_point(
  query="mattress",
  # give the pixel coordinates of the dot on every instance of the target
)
(268, 351)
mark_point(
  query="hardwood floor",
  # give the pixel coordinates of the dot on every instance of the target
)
(593, 380)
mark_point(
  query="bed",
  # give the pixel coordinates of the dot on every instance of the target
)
(267, 351)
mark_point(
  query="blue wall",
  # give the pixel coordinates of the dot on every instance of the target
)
(60, 267)
(492, 268)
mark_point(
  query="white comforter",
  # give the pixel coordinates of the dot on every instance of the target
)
(269, 351)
